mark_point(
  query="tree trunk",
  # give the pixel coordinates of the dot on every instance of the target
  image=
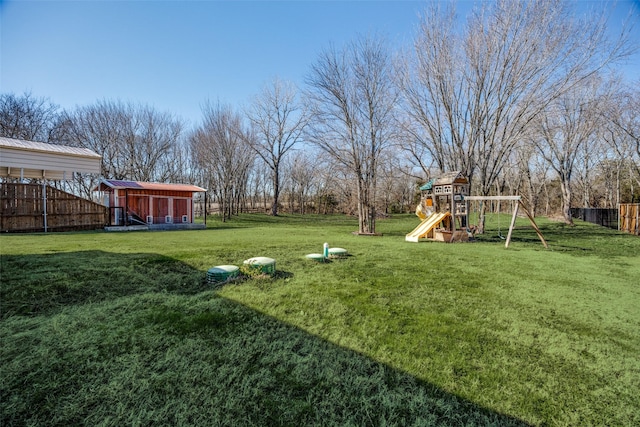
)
(533, 195)
(366, 212)
(566, 202)
(276, 193)
(223, 209)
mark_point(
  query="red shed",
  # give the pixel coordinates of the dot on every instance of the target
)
(148, 203)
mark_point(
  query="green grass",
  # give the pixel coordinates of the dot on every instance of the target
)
(121, 328)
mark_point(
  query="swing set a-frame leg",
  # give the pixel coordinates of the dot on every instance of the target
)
(533, 224)
(513, 223)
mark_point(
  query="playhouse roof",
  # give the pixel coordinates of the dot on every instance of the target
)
(450, 178)
(428, 185)
(445, 179)
(138, 185)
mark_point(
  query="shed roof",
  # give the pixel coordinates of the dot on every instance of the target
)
(30, 159)
(156, 186)
(42, 147)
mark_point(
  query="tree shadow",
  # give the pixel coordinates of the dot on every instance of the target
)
(582, 239)
(198, 358)
(40, 284)
(281, 274)
(321, 383)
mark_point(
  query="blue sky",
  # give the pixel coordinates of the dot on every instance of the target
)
(174, 55)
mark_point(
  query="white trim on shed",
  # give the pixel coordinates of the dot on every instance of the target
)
(29, 159)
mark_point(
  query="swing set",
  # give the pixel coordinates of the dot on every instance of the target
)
(444, 207)
(518, 205)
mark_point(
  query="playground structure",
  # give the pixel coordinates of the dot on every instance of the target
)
(448, 194)
(518, 205)
(443, 210)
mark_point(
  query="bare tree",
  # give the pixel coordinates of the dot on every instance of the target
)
(591, 156)
(533, 173)
(302, 170)
(473, 94)
(624, 119)
(436, 94)
(156, 140)
(353, 98)
(619, 170)
(278, 120)
(568, 124)
(325, 185)
(175, 166)
(258, 186)
(397, 184)
(106, 128)
(27, 117)
(135, 141)
(219, 152)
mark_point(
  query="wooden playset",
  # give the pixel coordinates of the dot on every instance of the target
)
(444, 208)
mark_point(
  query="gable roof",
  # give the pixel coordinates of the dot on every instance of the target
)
(445, 179)
(450, 178)
(156, 186)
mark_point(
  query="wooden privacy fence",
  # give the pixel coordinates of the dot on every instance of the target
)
(629, 218)
(25, 208)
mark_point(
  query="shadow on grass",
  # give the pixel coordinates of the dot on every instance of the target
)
(588, 239)
(581, 239)
(251, 220)
(41, 284)
(158, 350)
(280, 274)
(246, 220)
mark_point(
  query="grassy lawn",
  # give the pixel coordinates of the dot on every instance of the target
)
(119, 329)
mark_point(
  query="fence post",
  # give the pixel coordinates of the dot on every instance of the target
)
(619, 216)
(44, 200)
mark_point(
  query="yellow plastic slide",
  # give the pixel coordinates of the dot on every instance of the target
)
(421, 231)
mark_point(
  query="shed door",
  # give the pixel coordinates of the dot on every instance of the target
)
(161, 209)
(180, 209)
